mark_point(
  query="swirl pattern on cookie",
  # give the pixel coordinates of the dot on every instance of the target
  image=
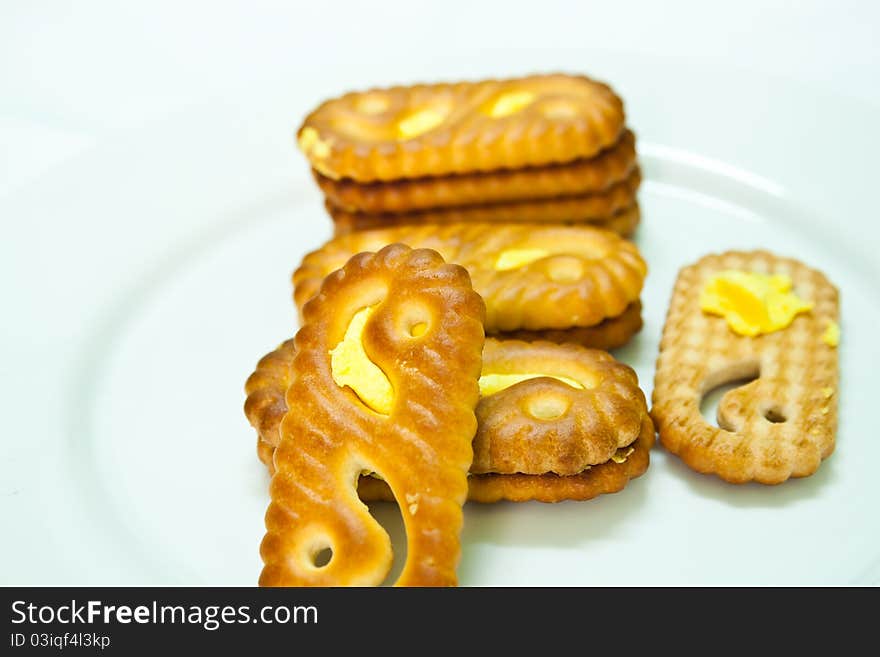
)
(577, 178)
(781, 424)
(531, 276)
(558, 408)
(416, 324)
(440, 129)
(597, 439)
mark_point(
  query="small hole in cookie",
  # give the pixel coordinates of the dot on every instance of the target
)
(547, 407)
(413, 319)
(322, 558)
(774, 415)
(712, 398)
(390, 517)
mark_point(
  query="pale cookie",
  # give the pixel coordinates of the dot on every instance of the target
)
(577, 178)
(441, 129)
(384, 380)
(783, 423)
(540, 435)
(609, 334)
(597, 208)
(531, 276)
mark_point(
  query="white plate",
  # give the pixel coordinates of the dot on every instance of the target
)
(161, 274)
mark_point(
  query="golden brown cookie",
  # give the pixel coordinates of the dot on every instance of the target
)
(531, 276)
(611, 333)
(597, 207)
(557, 409)
(577, 178)
(597, 439)
(440, 129)
(265, 404)
(783, 423)
(623, 222)
(605, 478)
(384, 380)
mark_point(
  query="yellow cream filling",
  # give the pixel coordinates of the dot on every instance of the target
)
(350, 366)
(514, 258)
(752, 303)
(622, 454)
(831, 336)
(310, 142)
(492, 383)
(419, 122)
(510, 103)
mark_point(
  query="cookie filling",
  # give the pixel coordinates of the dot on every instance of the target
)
(421, 121)
(351, 366)
(516, 258)
(311, 143)
(510, 103)
(492, 383)
(752, 303)
(831, 336)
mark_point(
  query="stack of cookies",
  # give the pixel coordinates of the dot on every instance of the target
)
(537, 149)
(574, 284)
(453, 332)
(390, 391)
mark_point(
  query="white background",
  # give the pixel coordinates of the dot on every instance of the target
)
(81, 82)
(75, 73)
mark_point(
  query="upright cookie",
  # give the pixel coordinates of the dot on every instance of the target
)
(441, 129)
(742, 315)
(555, 422)
(265, 405)
(531, 276)
(577, 178)
(384, 380)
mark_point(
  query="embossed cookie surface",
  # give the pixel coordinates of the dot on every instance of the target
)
(780, 425)
(440, 129)
(531, 276)
(384, 380)
(554, 422)
(623, 223)
(611, 333)
(603, 479)
(577, 178)
(550, 408)
(615, 209)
